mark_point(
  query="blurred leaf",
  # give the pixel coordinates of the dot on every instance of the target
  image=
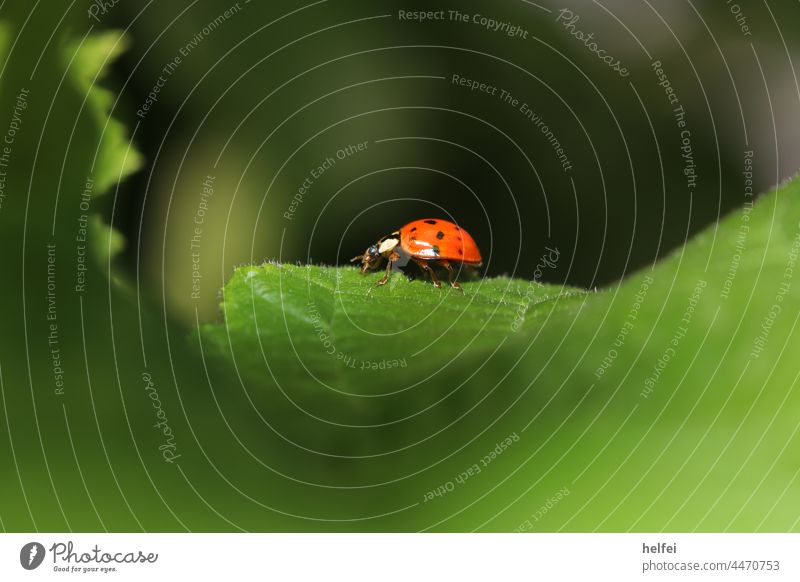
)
(117, 158)
(106, 241)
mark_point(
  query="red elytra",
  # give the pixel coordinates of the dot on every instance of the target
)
(427, 242)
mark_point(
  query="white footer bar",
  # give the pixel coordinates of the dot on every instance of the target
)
(389, 557)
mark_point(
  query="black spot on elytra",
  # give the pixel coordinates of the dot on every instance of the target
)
(436, 250)
(440, 235)
(460, 252)
(457, 228)
(430, 222)
(413, 229)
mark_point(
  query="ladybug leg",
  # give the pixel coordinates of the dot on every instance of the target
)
(427, 268)
(385, 278)
(394, 257)
(451, 275)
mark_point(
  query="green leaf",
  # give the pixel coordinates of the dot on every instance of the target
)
(333, 328)
(91, 59)
(88, 61)
(663, 402)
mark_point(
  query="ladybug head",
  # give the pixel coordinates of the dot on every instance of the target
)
(370, 259)
(374, 255)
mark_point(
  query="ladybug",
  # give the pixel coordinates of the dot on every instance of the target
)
(428, 242)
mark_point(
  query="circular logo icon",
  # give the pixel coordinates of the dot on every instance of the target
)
(31, 555)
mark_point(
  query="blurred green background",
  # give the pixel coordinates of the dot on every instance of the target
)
(259, 110)
(195, 125)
